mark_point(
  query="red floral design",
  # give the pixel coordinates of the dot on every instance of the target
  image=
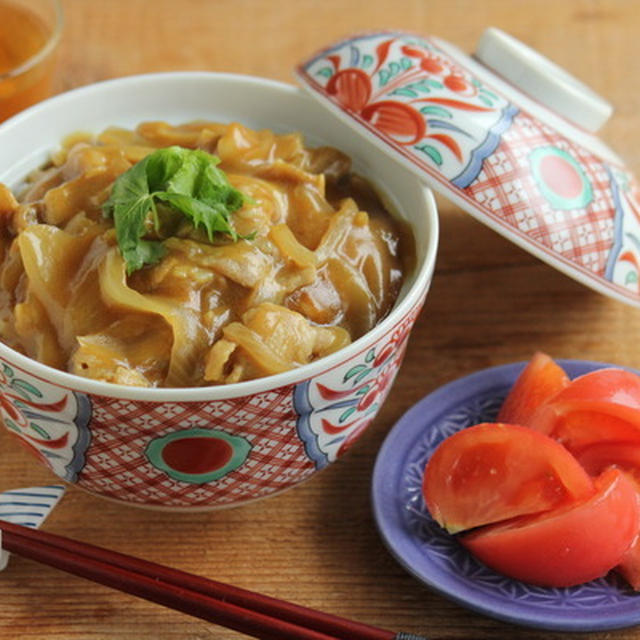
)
(352, 88)
(377, 394)
(371, 393)
(397, 119)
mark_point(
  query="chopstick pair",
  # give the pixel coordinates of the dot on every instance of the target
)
(245, 611)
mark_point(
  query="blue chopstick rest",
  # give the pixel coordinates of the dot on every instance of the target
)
(28, 507)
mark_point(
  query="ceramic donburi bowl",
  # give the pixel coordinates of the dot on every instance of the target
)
(159, 447)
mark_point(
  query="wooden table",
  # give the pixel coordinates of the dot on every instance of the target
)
(490, 303)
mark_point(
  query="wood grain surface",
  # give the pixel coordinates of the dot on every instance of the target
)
(490, 303)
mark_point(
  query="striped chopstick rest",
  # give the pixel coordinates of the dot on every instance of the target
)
(28, 507)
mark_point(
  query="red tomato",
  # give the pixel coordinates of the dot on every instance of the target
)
(540, 380)
(598, 456)
(566, 546)
(490, 472)
(581, 429)
(610, 392)
(629, 566)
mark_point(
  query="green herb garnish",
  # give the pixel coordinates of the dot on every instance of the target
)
(186, 181)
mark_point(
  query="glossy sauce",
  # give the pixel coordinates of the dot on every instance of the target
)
(325, 263)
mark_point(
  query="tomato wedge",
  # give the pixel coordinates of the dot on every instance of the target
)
(566, 546)
(605, 394)
(598, 456)
(629, 566)
(539, 381)
(491, 472)
(585, 428)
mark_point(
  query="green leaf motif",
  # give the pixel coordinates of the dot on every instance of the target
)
(354, 371)
(413, 90)
(489, 94)
(422, 86)
(485, 100)
(405, 63)
(432, 152)
(363, 390)
(371, 355)
(404, 91)
(435, 84)
(393, 69)
(40, 431)
(25, 389)
(7, 370)
(326, 72)
(435, 110)
(345, 414)
(367, 61)
(12, 425)
(362, 375)
(631, 278)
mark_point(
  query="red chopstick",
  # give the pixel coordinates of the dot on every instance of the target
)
(245, 611)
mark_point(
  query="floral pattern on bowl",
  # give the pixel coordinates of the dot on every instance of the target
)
(406, 91)
(209, 447)
(50, 421)
(551, 188)
(202, 454)
(434, 557)
(335, 408)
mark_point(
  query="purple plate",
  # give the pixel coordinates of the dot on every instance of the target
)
(433, 556)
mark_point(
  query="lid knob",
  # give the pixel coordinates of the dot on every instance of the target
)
(542, 79)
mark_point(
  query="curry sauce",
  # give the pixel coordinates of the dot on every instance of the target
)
(319, 261)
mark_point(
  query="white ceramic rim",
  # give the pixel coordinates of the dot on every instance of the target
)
(543, 79)
(220, 392)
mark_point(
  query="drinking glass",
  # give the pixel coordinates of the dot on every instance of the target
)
(29, 34)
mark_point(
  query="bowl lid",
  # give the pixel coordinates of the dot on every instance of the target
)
(506, 135)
